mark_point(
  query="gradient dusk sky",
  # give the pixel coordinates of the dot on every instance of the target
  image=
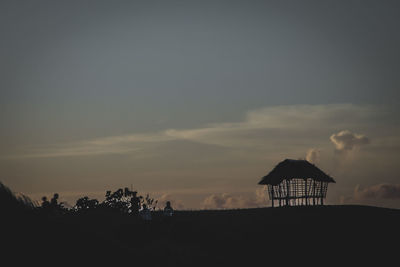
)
(195, 101)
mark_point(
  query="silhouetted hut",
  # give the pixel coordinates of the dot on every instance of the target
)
(296, 182)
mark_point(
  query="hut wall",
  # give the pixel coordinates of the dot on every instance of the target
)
(298, 192)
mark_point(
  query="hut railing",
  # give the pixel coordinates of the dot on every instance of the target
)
(295, 192)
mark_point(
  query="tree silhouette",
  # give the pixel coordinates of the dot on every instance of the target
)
(85, 203)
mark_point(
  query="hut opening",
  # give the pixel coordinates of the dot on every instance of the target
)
(296, 182)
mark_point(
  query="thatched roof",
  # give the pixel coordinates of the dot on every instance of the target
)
(290, 169)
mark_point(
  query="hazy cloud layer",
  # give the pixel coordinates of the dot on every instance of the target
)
(379, 191)
(279, 122)
(229, 201)
(286, 127)
(126, 144)
(347, 141)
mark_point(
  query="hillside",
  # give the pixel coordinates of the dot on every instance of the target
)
(335, 234)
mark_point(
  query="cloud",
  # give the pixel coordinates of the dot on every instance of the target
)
(379, 191)
(216, 201)
(277, 122)
(277, 127)
(262, 195)
(229, 201)
(313, 155)
(126, 144)
(347, 141)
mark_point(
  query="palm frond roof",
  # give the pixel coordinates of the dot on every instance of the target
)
(291, 169)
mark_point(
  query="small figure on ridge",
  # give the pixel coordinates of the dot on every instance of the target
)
(168, 210)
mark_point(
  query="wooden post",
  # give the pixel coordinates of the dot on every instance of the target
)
(287, 192)
(306, 191)
(272, 195)
(313, 199)
(322, 194)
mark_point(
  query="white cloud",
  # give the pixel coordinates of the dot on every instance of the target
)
(229, 201)
(313, 155)
(347, 141)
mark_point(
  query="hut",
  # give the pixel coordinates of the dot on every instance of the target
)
(296, 182)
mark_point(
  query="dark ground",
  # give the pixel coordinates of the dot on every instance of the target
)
(320, 235)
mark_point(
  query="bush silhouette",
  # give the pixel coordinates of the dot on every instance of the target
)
(123, 201)
(85, 203)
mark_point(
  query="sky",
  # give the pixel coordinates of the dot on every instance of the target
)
(195, 101)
